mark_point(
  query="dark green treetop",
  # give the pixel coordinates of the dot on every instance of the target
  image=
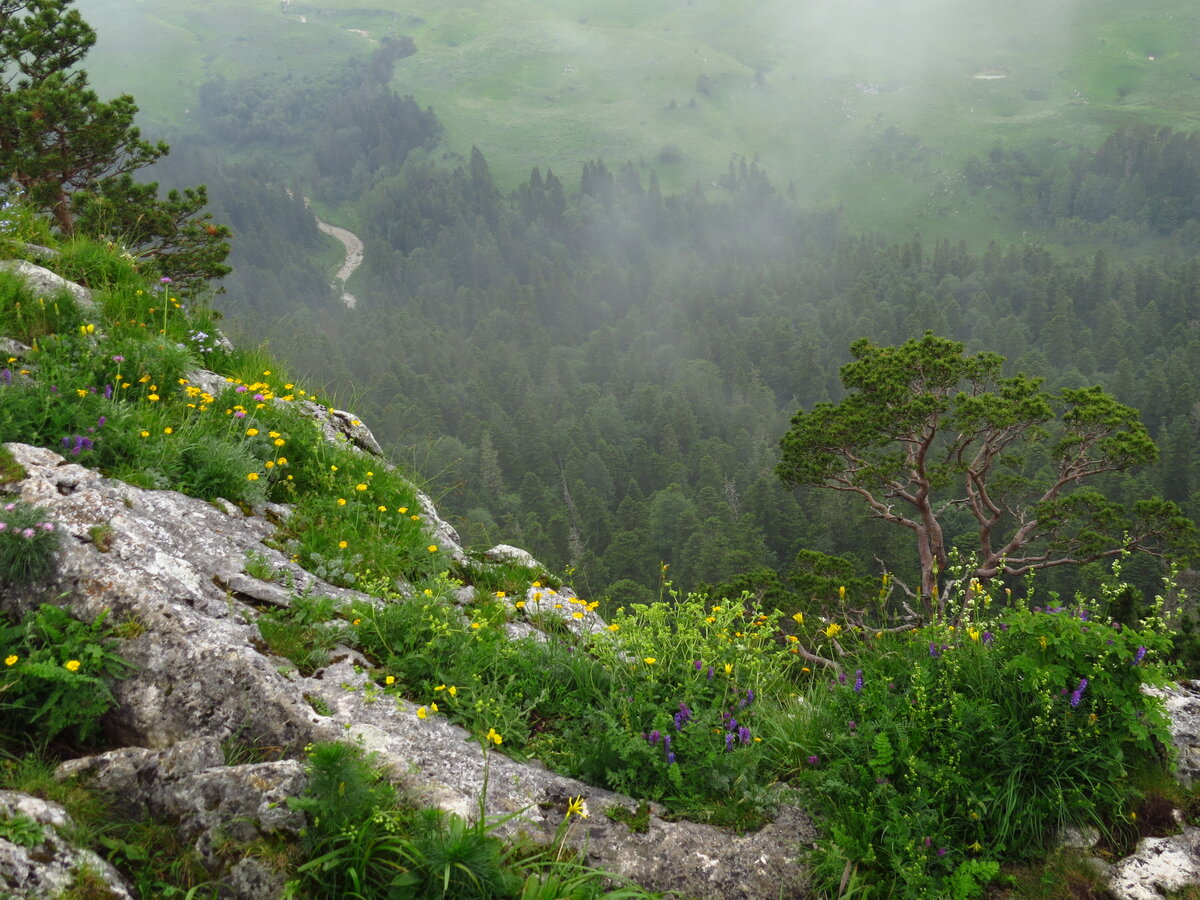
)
(71, 154)
(927, 432)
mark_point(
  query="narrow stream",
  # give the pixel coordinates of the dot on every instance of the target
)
(354, 258)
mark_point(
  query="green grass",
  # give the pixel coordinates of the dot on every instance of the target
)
(554, 83)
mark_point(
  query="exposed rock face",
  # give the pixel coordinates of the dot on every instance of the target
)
(1183, 706)
(36, 861)
(177, 565)
(45, 283)
(1159, 865)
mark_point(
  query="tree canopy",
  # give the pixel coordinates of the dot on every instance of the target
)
(71, 153)
(928, 434)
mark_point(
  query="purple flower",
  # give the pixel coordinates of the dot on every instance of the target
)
(654, 736)
(853, 725)
(988, 637)
(941, 851)
(1141, 654)
(241, 389)
(7, 375)
(27, 533)
(710, 673)
(858, 681)
(3, 525)
(1004, 626)
(813, 760)
(118, 359)
(683, 716)
(259, 397)
(670, 759)
(164, 280)
(102, 421)
(750, 695)
(699, 664)
(1077, 695)
(928, 841)
(841, 677)
(108, 392)
(47, 526)
(744, 734)
(933, 650)
(729, 740)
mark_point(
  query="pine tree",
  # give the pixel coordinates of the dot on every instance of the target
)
(56, 135)
(71, 153)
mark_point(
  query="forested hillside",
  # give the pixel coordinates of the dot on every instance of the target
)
(600, 370)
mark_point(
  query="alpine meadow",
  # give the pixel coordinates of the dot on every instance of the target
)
(836, 363)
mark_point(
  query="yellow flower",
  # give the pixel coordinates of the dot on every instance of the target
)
(360, 487)
(799, 617)
(153, 398)
(833, 630)
(253, 476)
(649, 660)
(453, 691)
(333, 468)
(144, 433)
(805, 669)
(433, 707)
(614, 627)
(494, 737)
(356, 622)
(1042, 641)
(842, 592)
(973, 633)
(500, 594)
(381, 508)
(577, 806)
(11, 660)
(975, 847)
(728, 668)
(341, 501)
(342, 545)
(252, 431)
(143, 379)
(168, 430)
(282, 461)
(71, 665)
(711, 619)
(476, 625)
(415, 518)
(432, 548)
(279, 442)
(537, 584)
(440, 687)
(391, 679)
(520, 604)
(422, 713)
(402, 510)
(576, 615)
(81, 392)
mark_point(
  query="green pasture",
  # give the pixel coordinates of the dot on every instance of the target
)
(803, 88)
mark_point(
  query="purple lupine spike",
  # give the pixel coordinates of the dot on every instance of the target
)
(933, 650)
(1077, 694)
(654, 736)
(1141, 654)
(744, 734)
(858, 681)
(729, 740)
(670, 759)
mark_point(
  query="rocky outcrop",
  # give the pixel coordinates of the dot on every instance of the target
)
(177, 566)
(39, 862)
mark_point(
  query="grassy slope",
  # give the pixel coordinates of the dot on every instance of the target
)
(556, 82)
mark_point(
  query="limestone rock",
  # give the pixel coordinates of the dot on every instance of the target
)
(1182, 702)
(36, 861)
(1157, 866)
(504, 553)
(200, 675)
(45, 283)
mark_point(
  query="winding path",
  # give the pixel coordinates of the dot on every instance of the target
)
(354, 258)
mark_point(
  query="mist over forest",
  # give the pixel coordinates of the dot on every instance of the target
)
(610, 248)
